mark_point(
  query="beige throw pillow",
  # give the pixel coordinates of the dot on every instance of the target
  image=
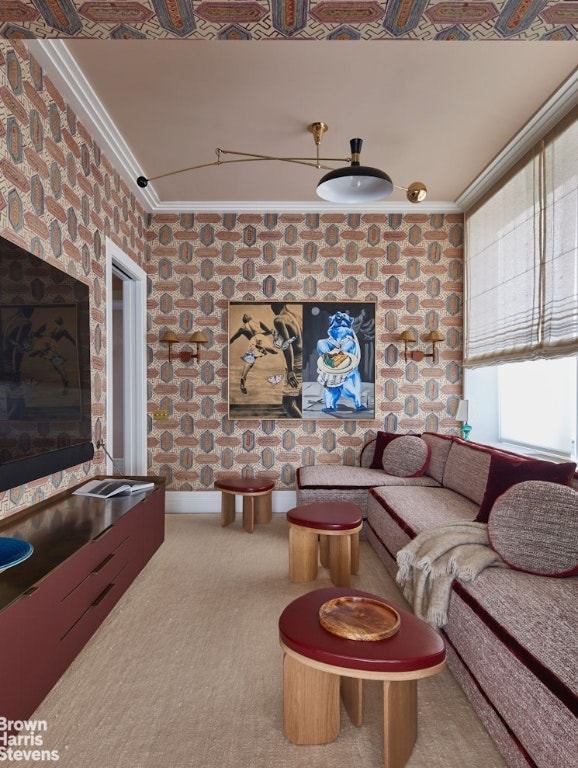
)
(406, 456)
(533, 526)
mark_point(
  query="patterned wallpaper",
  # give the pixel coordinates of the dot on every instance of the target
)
(60, 197)
(410, 265)
(291, 19)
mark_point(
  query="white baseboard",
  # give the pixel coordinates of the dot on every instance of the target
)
(206, 502)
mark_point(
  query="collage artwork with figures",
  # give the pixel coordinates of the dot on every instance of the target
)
(302, 360)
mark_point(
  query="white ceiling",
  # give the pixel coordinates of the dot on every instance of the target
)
(437, 112)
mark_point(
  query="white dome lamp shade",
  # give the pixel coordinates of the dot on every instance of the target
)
(356, 183)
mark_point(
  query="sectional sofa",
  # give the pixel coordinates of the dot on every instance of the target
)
(511, 633)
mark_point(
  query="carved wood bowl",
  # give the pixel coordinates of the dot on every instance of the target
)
(359, 618)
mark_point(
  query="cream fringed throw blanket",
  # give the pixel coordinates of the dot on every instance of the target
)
(428, 565)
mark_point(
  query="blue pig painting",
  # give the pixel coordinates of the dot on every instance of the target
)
(338, 363)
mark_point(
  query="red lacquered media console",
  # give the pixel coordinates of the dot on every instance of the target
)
(87, 552)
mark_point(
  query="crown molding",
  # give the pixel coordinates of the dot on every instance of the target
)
(549, 114)
(66, 75)
(284, 206)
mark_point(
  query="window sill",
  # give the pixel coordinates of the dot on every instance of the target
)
(533, 453)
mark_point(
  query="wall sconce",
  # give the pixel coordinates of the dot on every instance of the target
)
(408, 337)
(170, 338)
(462, 415)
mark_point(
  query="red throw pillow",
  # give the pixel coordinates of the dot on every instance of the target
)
(506, 471)
(382, 439)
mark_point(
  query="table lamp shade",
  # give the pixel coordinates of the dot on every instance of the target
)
(462, 412)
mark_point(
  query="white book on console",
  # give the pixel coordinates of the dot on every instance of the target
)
(121, 486)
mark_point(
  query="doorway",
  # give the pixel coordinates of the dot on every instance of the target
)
(126, 427)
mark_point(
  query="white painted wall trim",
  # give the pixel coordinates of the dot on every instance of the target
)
(546, 118)
(54, 57)
(208, 502)
(290, 206)
(134, 300)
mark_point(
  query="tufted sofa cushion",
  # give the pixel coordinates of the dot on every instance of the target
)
(466, 469)
(439, 449)
(336, 476)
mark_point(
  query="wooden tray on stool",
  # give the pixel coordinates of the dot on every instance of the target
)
(359, 618)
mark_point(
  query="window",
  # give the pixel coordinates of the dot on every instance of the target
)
(521, 301)
(528, 407)
(521, 290)
(537, 404)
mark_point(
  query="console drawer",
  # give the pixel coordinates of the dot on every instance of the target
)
(72, 606)
(80, 632)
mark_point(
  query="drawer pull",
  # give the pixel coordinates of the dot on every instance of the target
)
(95, 603)
(30, 591)
(101, 565)
(102, 595)
(106, 530)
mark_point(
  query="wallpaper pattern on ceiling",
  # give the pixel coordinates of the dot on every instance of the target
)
(291, 19)
(410, 265)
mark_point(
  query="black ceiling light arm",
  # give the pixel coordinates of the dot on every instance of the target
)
(353, 184)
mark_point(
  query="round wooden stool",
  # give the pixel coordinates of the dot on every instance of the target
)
(336, 525)
(256, 493)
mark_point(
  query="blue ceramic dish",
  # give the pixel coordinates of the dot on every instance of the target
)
(13, 551)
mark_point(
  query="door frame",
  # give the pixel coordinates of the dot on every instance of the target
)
(134, 358)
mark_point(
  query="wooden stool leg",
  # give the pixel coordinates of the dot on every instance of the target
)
(227, 508)
(302, 554)
(340, 560)
(352, 697)
(263, 508)
(310, 703)
(324, 550)
(354, 552)
(249, 513)
(399, 721)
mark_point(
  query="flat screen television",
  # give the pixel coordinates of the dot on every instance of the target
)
(45, 380)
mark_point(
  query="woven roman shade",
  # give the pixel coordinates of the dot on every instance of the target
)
(521, 281)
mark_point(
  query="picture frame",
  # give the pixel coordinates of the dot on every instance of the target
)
(301, 360)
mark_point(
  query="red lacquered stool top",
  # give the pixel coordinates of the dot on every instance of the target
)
(415, 646)
(327, 515)
(244, 485)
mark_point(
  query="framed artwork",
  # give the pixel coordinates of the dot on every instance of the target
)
(39, 364)
(301, 360)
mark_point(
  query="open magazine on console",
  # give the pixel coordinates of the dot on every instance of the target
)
(121, 486)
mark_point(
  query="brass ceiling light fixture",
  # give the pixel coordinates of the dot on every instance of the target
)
(353, 184)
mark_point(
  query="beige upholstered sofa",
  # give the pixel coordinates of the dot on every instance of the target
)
(510, 634)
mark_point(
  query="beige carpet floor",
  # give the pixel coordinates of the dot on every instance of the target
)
(186, 670)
